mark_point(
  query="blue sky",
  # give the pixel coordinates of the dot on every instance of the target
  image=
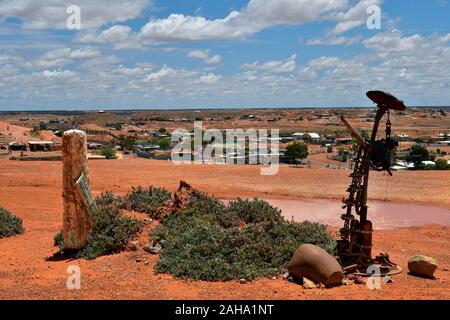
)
(221, 54)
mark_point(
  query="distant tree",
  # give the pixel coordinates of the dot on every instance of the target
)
(108, 153)
(164, 144)
(417, 155)
(297, 150)
(162, 130)
(330, 149)
(441, 164)
(127, 143)
(118, 126)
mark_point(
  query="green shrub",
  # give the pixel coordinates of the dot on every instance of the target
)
(441, 164)
(10, 225)
(146, 200)
(108, 153)
(164, 144)
(111, 231)
(245, 239)
(297, 150)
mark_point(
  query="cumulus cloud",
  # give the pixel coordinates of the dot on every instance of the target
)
(62, 57)
(257, 16)
(333, 41)
(121, 37)
(59, 73)
(253, 18)
(394, 42)
(412, 66)
(51, 14)
(209, 78)
(205, 56)
(275, 66)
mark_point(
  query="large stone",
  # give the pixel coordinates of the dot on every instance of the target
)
(423, 266)
(316, 264)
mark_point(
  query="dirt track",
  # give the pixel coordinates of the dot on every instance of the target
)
(32, 190)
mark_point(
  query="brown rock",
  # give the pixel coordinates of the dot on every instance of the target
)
(422, 266)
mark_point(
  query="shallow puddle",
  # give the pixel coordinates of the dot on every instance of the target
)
(384, 215)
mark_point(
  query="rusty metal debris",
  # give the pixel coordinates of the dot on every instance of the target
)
(355, 245)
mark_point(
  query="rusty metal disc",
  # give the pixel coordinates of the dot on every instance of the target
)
(386, 100)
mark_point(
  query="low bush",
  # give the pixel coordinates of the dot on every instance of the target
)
(111, 231)
(146, 200)
(10, 225)
(243, 239)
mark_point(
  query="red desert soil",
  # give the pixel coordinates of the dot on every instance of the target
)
(32, 190)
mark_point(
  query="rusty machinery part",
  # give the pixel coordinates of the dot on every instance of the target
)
(355, 245)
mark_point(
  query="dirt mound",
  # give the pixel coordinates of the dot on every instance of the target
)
(181, 199)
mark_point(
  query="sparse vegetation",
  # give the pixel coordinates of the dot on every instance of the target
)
(111, 231)
(441, 164)
(418, 154)
(244, 239)
(164, 144)
(10, 225)
(108, 153)
(127, 143)
(146, 200)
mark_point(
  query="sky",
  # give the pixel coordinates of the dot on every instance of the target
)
(154, 54)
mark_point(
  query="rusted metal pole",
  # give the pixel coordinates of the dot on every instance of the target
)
(77, 222)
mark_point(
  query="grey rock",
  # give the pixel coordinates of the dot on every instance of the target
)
(153, 248)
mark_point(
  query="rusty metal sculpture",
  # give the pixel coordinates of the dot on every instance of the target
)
(355, 245)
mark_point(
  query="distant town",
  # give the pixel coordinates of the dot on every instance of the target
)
(423, 134)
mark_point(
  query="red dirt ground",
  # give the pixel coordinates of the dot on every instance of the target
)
(32, 190)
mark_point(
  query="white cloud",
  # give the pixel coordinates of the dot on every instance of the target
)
(121, 37)
(257, 16)
(209, 78)
(394, 42)
(333, 41)
(164, 72)
(412, 66)
(62, 57)
(59, 74)
(275, 66)
(205, 56)
(51, 14)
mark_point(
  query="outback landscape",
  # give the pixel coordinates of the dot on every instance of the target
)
(241, 154)
(32, 268)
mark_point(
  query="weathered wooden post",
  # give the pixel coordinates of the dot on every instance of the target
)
(77, 224)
